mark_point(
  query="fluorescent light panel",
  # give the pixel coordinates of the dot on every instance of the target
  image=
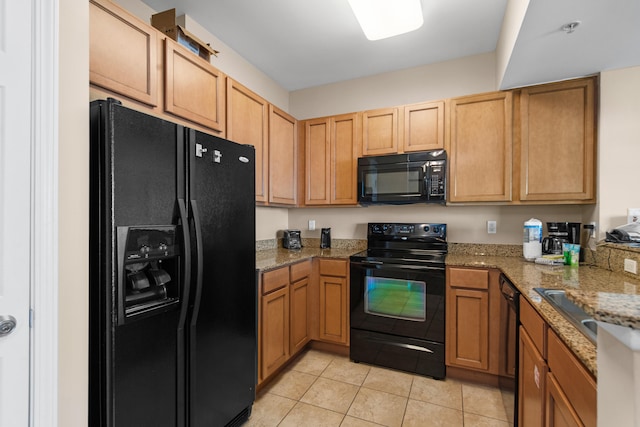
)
(381, 19)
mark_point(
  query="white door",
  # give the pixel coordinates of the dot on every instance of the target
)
(15, 209)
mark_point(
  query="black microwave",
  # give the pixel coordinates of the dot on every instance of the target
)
(419, 177)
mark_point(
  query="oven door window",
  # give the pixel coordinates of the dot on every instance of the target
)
(398, 299)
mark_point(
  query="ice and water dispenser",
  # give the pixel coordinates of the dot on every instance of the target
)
(149, 270)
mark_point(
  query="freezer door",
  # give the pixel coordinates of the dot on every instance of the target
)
(136, 305)
(222, 329)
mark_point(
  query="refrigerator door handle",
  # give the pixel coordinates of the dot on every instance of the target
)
(200, 259)
(186, 242)
(184, 307)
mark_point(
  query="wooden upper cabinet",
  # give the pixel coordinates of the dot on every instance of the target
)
(380, 132)
(423, 127)
(331, 160)
(194, 89)
(345, 144)
(558, 142)
(123, 53)
(317, 161)
(283, 152)
(248, 123)
(480, 148)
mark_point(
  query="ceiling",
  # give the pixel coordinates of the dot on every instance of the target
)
(306, 43)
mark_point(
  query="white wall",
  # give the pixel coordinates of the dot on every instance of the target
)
(473, 74)
(73, 227)
(465, 224)
(619, 146)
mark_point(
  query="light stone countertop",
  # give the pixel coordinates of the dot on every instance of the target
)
(274, 258)
(607, 296)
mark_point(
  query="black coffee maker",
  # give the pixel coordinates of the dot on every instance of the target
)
(559, 233)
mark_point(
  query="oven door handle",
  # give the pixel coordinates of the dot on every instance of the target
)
(380, 264)
(402, 345)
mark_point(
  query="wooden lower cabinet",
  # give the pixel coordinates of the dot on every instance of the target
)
(284, 316)
(554, 388)
(572, 400)
(560, 413)
(531, 382)
(333, 301)
(299, 301)
(473, 332)
(274, 330)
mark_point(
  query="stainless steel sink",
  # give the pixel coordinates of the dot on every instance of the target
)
(570, 311)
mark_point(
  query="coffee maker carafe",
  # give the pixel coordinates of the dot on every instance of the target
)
(559, 233)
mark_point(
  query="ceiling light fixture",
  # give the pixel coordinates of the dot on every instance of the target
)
(570, 27)
(381, 19)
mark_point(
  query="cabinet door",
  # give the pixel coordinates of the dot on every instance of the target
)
(345, 143)
(559, 410)
(283, 152)
(333, 309)
(557, 142)
(194, 90)
(479, 148)
(576, 383)
(531, 383)
(299, 310)
(468, 328)
(317, 161)
(424, 126)
(274, 330)
(123, 53)
(380, 132)
(247, 123)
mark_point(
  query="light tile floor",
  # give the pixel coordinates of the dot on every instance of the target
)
(323, 389)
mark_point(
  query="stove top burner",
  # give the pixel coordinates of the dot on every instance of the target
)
(415, 244)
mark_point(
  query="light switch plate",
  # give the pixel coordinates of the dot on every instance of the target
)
(312, 224)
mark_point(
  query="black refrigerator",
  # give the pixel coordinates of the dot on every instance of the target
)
(173, 305)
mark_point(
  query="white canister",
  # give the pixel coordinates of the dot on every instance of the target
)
(532, 239)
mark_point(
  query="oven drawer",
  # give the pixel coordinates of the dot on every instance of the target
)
(407, 354)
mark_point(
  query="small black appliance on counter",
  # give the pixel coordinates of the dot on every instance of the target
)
(292, 239)
(325, 238)
(559, 233)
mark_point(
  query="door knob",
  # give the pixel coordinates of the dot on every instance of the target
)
(7, 325)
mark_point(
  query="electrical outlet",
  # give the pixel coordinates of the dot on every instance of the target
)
(594, 229)
(630, 266)
(492, 227)
(312, 224)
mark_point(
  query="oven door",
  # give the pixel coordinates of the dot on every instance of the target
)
(398, 299)
(397, 316)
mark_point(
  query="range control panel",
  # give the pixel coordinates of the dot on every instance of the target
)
(408, 230)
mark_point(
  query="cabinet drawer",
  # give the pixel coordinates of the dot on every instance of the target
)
(275, 279)
(534, 324)
(300, 270)
(574, 380)
(333, 267)
(468, 278)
